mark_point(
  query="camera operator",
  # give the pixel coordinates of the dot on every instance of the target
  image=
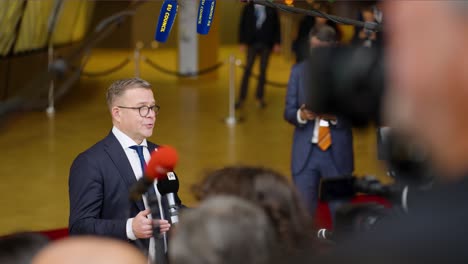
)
(426, 101)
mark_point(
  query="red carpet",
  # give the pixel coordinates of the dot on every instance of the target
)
(322, 218)
(55, 234)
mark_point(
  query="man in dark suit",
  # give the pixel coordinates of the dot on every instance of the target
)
(101, 176)
(313, 157)
(259, 33)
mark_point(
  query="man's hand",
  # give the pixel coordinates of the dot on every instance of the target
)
(306, 114)
(242, 47)
(142, 226)
(276, 48)
(362, 34)
(328, 117)
(164, 225)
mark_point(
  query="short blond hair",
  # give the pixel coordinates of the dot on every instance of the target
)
(118, 87)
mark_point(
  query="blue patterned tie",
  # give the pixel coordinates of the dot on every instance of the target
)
(139, 150)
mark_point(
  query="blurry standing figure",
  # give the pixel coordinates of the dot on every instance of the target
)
(365, 37)
(259, 34)
(378, 13)
(308, 23)
(322, 143)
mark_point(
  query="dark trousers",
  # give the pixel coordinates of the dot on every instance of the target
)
(320, 165)
(252, 52)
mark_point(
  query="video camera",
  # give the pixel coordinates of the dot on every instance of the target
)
(346, 81)
(350, 82)
(407, 165)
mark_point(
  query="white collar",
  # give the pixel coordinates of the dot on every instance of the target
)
(125, 140)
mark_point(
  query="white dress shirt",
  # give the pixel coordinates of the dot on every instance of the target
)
(260, 15)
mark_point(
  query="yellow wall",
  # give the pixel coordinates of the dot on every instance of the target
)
(71, 24)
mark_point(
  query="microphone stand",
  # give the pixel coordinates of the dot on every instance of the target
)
(160, 251)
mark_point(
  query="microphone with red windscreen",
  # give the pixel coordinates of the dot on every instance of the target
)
(163, 160)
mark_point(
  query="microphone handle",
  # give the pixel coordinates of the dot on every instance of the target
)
(139, 188)
(173, 208)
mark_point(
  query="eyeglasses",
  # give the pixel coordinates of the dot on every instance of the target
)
(144, 110)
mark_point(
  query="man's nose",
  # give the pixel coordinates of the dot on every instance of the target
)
(151, 113)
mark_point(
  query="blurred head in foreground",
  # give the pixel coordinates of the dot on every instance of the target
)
(90, 250)
(20, 248)
(271, 192)
(428, 74)
(322, 37)
(223, 229)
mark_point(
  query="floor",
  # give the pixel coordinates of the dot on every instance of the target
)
(38, 150)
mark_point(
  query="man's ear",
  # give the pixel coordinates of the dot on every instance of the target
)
(115, 112)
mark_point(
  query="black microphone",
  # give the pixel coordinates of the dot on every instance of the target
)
(168, 187)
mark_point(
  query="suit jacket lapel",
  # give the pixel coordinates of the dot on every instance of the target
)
(120, 160)
(152, 146)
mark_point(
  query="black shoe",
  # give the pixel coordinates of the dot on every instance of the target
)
(261, 104)
(238, 105)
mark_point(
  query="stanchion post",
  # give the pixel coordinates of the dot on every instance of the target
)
(137, 58)
(231, 119)
(51, 105)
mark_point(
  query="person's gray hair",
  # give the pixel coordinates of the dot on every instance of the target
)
(223, 229)
(118, 87)
(324, 33)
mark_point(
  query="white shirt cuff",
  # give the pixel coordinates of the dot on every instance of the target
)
(130, 234)
(299, 119)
